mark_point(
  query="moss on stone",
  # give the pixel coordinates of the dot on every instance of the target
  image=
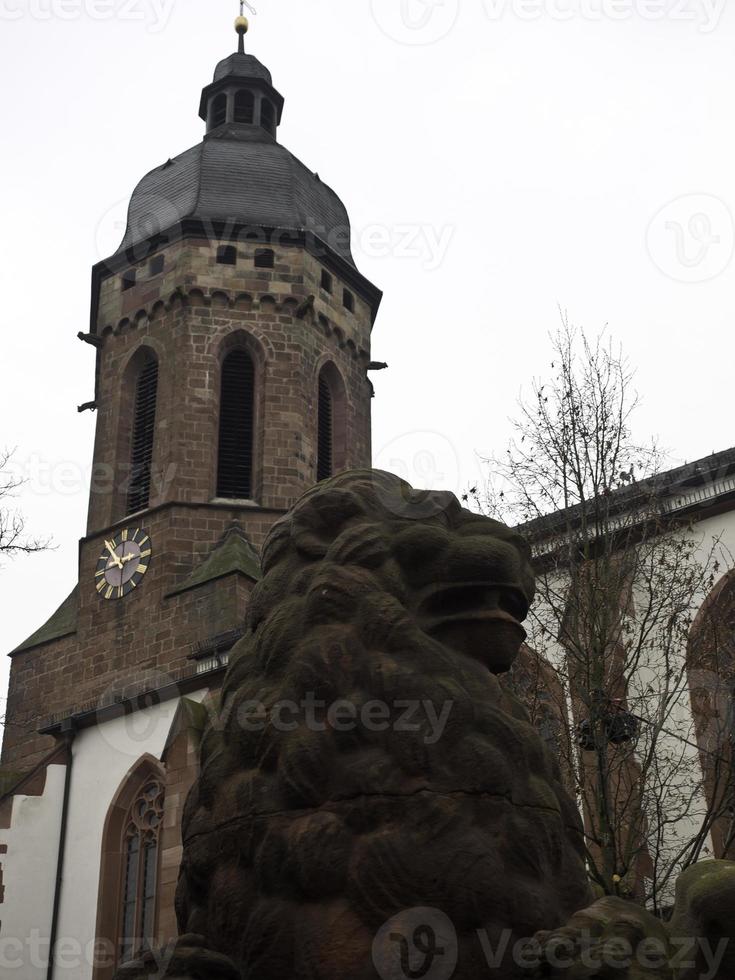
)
(234, 554)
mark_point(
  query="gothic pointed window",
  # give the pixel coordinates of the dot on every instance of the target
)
(140, 871)
(244, 106)
(144, 421)
(236, 427)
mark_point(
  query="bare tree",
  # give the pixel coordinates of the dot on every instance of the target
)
(621, 574)
(13, 537)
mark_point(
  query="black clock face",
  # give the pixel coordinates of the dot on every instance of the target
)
(123, 563)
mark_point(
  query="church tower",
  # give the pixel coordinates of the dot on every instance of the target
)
(232, 338)
(232, 335)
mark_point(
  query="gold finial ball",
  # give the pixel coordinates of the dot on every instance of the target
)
(241, 25)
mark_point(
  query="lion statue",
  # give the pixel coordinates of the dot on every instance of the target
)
(367, 760)
(373, 804)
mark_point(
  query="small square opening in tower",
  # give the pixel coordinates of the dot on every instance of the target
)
(227, 255)
(348, 301)
(326, 281)
(128, 279)
(155, 267)
(264, 258)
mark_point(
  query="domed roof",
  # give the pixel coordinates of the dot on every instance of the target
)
(241, 177)
(242, 66)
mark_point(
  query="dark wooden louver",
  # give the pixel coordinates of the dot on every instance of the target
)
(244, 107)
(235, 462)
(324, 458)
(267, 116)
(144, 422)
(219, 110)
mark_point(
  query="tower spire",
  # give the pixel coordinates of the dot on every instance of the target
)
(242, 24)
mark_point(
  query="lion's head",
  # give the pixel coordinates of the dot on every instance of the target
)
(366, 759)
(462, 579)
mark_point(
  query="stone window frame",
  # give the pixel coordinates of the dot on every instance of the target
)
(242, 339)
(328, 372)
(713, 712)
(127, 387)
(112, 863)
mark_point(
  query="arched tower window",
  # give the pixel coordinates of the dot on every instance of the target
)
(236, 427)
(219, 110)
(140, 870)
(244, 106)
(144, 421)
(325, 464)
(268, 116)
(331, 423)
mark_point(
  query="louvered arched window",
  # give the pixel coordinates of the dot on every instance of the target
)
(325, 424)
(144, 422)
(244, 107)
(140, 850)
(236, 427)
(219, 110)
(331, 423)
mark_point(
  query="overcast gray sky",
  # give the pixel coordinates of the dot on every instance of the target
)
(498, 158)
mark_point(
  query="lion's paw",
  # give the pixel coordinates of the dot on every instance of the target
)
(611, 940)
(188, 959)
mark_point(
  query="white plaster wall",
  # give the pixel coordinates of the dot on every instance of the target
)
(102, 758)
(719, 529)
(29, 875)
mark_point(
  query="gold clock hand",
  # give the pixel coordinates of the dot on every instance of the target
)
(113, 554)
(126, 558)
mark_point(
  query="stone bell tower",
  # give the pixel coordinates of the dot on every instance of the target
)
(232, 336)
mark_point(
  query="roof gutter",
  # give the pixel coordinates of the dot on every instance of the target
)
(69, 734)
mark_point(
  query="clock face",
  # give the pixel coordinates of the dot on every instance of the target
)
(123, 563)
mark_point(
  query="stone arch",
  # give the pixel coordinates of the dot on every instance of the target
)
(330, 420)
(711, 677)
(112, 871)
(145, 354)
(232, 342)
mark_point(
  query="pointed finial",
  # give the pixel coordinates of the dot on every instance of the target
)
(242, 24)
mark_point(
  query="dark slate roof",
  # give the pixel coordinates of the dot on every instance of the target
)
(242, 66)
(241, 176)
(690, 488)
(62, 623)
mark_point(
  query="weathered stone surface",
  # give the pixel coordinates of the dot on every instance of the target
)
(329, 809)
(613, 939)
(705, 910)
